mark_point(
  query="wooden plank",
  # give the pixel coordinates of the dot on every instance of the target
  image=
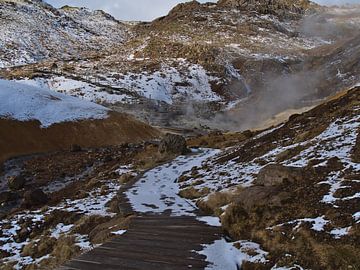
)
(181, 258)
(125, 264)
(157, 242)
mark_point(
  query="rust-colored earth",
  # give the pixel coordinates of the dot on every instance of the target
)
(22, 138)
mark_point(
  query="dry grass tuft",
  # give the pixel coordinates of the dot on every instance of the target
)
(193, 193)
(214, 202)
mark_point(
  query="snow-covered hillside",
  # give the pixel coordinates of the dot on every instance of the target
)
(169, 84)
(24, 102)
(33, 31)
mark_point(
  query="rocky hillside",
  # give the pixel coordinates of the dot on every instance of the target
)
(286, 8)
(293, 189)
(32, 31)
(199, 60)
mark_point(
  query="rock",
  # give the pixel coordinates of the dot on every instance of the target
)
(277, 174)
(262, 196)
(4, 254)
(75, 148)
(125, 178)
(255, 196)
(7, 197)
(335, 164)
(35, 198)
(16, 182)
(173, 144)
(22, 235)
(104, 190)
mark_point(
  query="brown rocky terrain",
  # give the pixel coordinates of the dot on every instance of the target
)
(22, 138)
(68, 203)
(293, 189)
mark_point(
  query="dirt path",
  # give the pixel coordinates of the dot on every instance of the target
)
(166, 233)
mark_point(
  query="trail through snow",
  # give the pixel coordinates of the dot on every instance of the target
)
(157, 193)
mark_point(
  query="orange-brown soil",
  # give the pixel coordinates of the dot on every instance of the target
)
(21, 138)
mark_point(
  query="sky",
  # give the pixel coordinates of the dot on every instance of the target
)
(147, 10)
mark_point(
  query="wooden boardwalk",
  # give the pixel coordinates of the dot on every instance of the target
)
(155, 242)
(152, 242)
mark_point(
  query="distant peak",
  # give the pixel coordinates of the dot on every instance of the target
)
(269, 6)
(182, 7)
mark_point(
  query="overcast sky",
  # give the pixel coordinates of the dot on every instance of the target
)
(145, 10)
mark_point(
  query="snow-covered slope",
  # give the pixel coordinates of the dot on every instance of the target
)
(23, 102)
(33, 30)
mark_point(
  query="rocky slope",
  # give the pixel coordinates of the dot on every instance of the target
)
(200, 59)
(32, 31)
(293, 189)
(55, 206)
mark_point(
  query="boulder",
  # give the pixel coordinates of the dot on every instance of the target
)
(173, 144)
(277, 174)
(16, 182)
(255, 196)
(335, 164)
(35, 197)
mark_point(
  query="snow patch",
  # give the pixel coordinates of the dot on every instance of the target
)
(211, 221)
(318, 223)
(23, 102)
(224, 255)
(60, 229)
(119, 232)
(337, 233)
(80, 89)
